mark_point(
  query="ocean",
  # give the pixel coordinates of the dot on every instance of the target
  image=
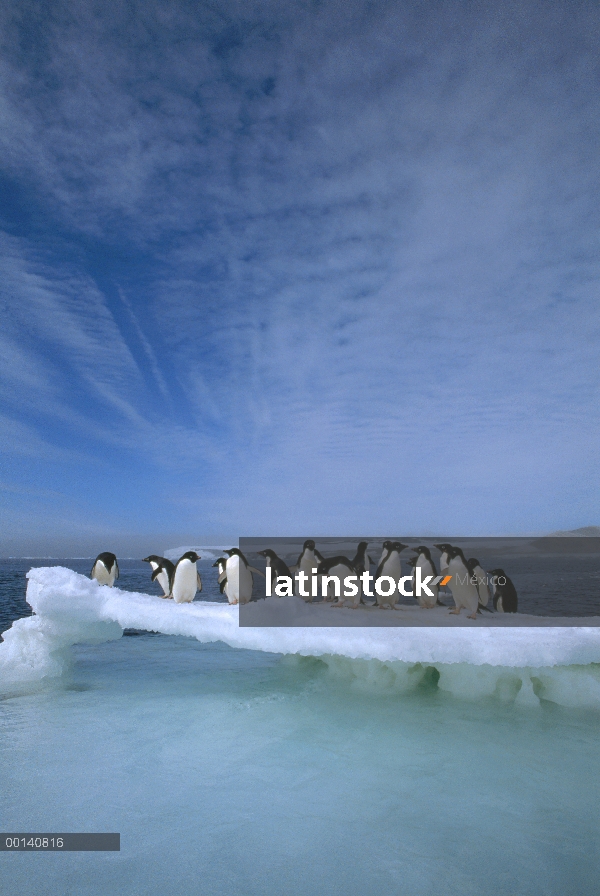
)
(230, 770)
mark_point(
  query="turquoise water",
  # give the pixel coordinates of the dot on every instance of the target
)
(232, 771)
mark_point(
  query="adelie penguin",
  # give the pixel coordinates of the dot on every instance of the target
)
(221, 563)
(445, 548)
(105, 569)
(162, 572)
(238, 577)
(480, 576)
(390, 565)
(362, 562)
(505, 594)
(278, 567)
(186, 579)
(308, 560)
(464, 592)
(424, 561)
(339, 567)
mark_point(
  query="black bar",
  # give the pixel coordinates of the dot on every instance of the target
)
(60, 842)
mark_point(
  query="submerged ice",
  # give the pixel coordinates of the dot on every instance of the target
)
(556, 664)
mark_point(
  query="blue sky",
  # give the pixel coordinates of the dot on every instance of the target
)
(291, 267)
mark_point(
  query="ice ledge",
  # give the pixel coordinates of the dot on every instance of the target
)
(72, 609)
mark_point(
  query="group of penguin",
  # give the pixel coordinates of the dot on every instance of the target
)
(180, 580)
(467, 581)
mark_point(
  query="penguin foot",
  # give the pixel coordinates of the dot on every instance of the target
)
(454, 612)
(472, 616)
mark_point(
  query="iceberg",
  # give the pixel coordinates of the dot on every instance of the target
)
(526, 664)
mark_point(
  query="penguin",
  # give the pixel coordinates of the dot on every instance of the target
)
(221, 563)
(339, 567)
(186, 579)
(482, 586)
(465, 594)
(505, 594)
(278, 566)
(423, 559)
(239, 580)
(444, 559)
(162, 572)
(308, 560)
(385, 547)
(362, 563)
(390, 565)
(105, 569)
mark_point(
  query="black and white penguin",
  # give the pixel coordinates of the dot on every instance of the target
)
(105, 569)
(239, 579)
(465, 594)
(505, 594)
(424, 561)
(186, 579)
(340, 567)
(308, 560)
(481, 578)
(221, 563)
(445, 548)
(162, 572)
(278, 566)
(390, 565)
(362, 562)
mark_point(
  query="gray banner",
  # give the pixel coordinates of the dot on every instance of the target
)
(60, 842)
(422, 581)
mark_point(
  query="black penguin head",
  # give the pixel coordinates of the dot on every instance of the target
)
(497, 572)
(192, 556)
(232, 551)
(422, 549)
(472, 563)
(308, 545)
(412, 561)
(219, 560)
(387, 545)
(457, 552)
(268, 553)
(362, 547)
(444, 547)
(152, 558)
(398, 546)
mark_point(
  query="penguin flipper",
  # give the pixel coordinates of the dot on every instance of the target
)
(198, 581)
(222, 585)
(259, 571)
(117, 568)
(481, 607)
(156, 573)
(222, 578)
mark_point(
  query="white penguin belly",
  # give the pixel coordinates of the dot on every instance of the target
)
(185, 583)
(103, 576)
(341, 572)
(482, 586)
(426, 570)
(163, 580)
(464, 593)
(232, 586)
(307, 564)
(392, 567)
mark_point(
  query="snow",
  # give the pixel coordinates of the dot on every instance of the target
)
(525, 663)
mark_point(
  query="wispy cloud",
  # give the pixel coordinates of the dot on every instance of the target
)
(310, 267)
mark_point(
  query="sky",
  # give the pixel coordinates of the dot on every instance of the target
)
(297, 268)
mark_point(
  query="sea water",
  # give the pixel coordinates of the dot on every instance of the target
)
(229, 770)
